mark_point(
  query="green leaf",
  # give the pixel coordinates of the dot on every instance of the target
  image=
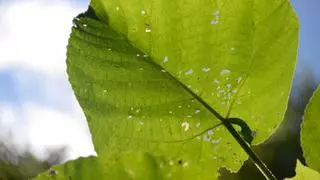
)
(305, 173)
(135, 67)
(252, 47)
(310, 139)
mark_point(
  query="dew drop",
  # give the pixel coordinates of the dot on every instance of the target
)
(141, 123)
(138, 55)
(239, 79)
(185, 164)
(146, 55)
(215, 141)
(185, 125)
(189, 72)
(221, 91)
(104, 91)
(198, 125)
(216, 13)
(130, 116)
(147, 29)
(205, 69)
(228, 85)
(210, 132)
(215, 157)
(232, 49)
(234, 91)
(171, 163)
(224, 71)
(216, 81)
(213, 22)
(170, 112)
(85, 25)
(206, 138)
(179, 106)
(197, 111)
(162, 70)
(117, 8)
(143, 12)
(165, 59)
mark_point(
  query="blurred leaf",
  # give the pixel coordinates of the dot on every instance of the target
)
(305, 173)
(134, 66)
(310, 139)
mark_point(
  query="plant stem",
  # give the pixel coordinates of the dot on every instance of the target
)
(253, 156)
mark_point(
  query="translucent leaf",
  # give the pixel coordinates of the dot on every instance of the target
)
(310, 139)
(305, 173)
(136, 66)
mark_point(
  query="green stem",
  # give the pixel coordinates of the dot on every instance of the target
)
(253, 156)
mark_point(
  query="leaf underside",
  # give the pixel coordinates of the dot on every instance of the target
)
(131, 64)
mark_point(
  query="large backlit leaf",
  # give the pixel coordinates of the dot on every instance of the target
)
(133, 65)
(310, 139)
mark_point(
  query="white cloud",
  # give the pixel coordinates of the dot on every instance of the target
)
(33, 40)
(50, 129)
(35, 34)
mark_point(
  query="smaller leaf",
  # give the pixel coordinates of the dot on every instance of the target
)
(305, 173)
(310, 139)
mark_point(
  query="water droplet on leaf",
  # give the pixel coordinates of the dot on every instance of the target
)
(214, 22)
(206, 69)
(224, 71)
(189, 72)
(165, 59)
(185, 125)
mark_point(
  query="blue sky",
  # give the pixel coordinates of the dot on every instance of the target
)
(309, 45)
(37, 108)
